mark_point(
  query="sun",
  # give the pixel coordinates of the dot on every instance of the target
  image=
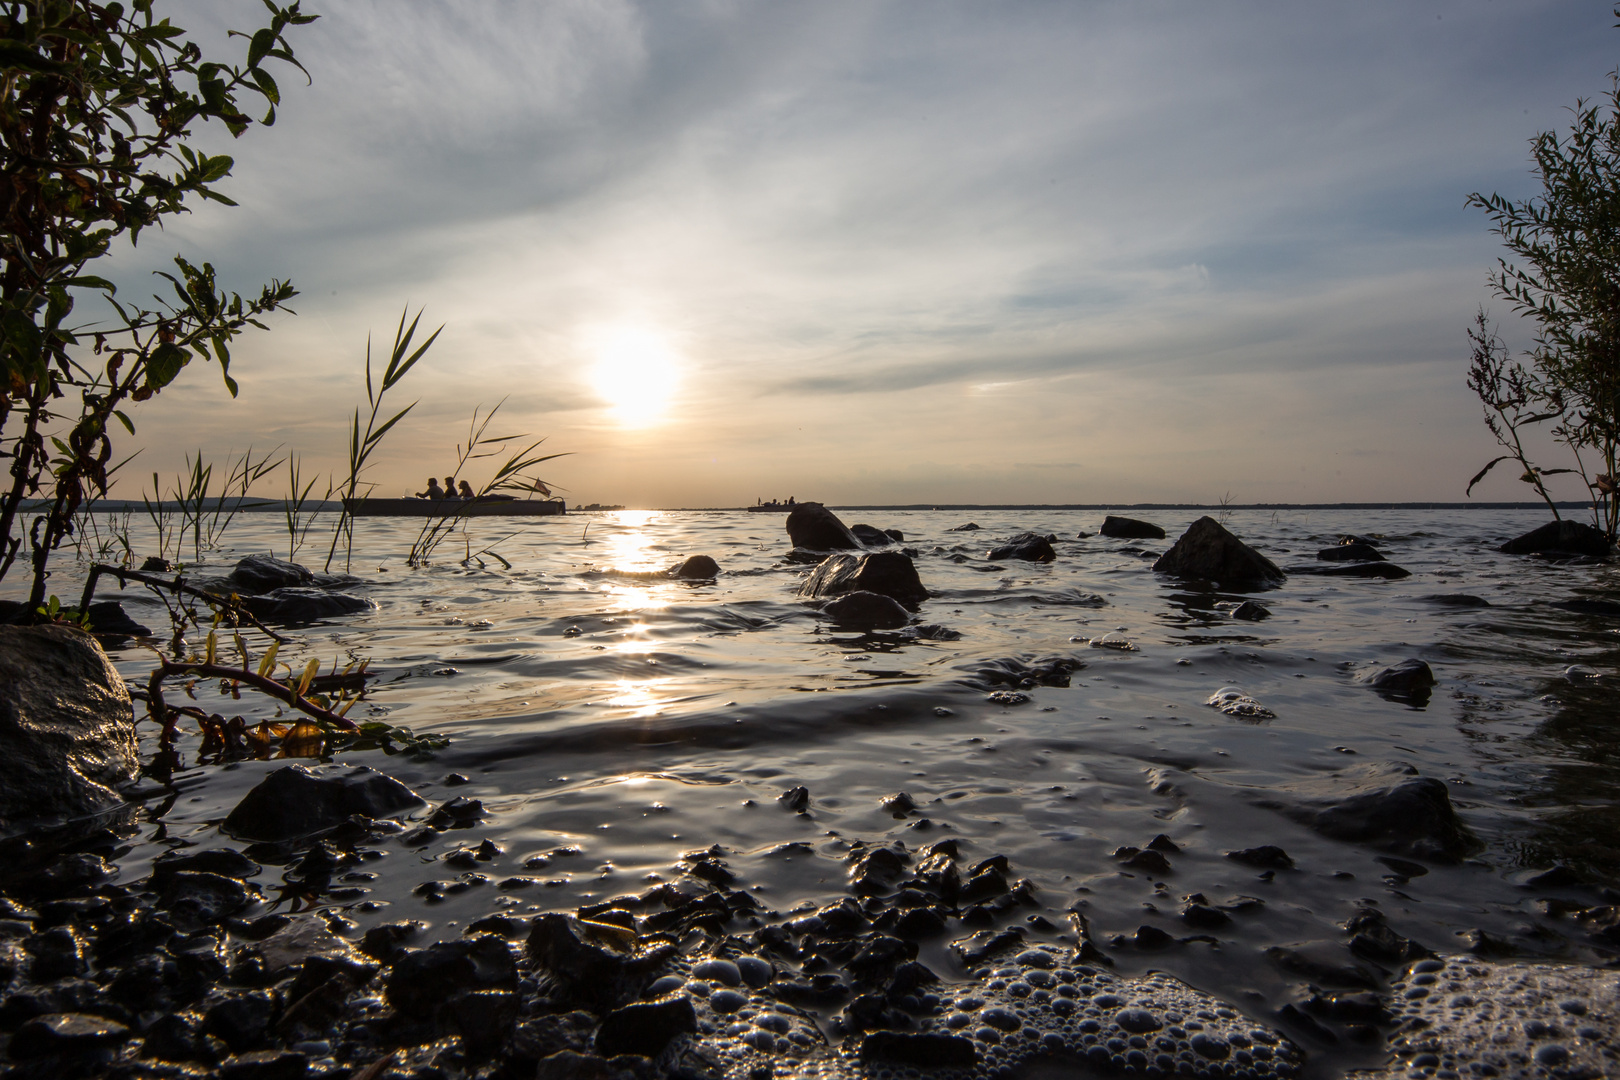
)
(636, 372)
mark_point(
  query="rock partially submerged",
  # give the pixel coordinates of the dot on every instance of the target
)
(1031, 547)
(1467, 1017)
(1561, 537)
(888, 572)
(1124, 528)
(1406, 680)
(696, 568)
(294, 802)
(1207, 552)
(1350, 553)
(1385, 805)
(872, 536)
(299, 604)
(867, 610)
(66, 725)
(811, 525)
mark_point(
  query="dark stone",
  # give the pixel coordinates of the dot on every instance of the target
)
(1206, 551)
(419, 982)
(1124, 528)
(888, 572)
(265, 1065)
(66, 1033)
(568, 1065)
(871, 536)
(925, 1050)
(460, 812)
(1407, 679)
(296, 802)
(484, 1018)
(66, 725)
(1148, 862)
(920, 922)
(1249, 611)
(1584, 606)
(1306, 962)
(645, 1027)
(303, 605)
(226, 861)
(896, 535)
(969, 527)
(263, 573)
(1350, 553)
(795, 798)
(591, 973)
(1386, 570)
(242, 1020)
(195, 898)
(696, 568)
(1465, 600)
(1565, 537)
(155, 564)
(58, 953)
(867, 610)
(811, 525)
(1031, 547)
(1266, 857)
(1387, 806)
(108, 619)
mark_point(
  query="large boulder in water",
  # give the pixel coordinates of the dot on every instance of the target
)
(1385, 805)
(1031, 547)
(811, 525)
(888, 572)
(867, 611)
(263, 573)
(303, 605)
(296, 802)
(1208, 552)
(1124, 528)
(66, 725)
(696, 568)
(871, 535)
(1564, 537)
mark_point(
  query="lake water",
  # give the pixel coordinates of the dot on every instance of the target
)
(630, 721)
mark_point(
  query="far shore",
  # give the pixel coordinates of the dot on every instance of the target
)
(263, 505)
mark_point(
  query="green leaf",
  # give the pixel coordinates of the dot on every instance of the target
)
(122, 419)
(164, 364)
(216, 168)
(262, 43)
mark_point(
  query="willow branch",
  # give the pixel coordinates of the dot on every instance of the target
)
(279, 691)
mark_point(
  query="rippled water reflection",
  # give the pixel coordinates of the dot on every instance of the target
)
(633, 719)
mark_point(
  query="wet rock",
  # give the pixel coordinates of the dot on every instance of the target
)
(1026, 674)
(108, 619)
(1350, 553)
(1324, 963)
(568, 1065)
(795, 798)
(969, 527)
(225, 861)
(57, 953)
(890, 573)
(296, 802)
(1387, 806)
(1372, 938)
(484, 1019)
(1386, 570)
(596, 974)
(645, 1027)
(867, 610)
(1408, 679)
(198, 899)
(920, 1050)
(1028, 546)
(1461, 600)
(66, 725)
(1561, 537)
(1587, 606)
(303, 605)
(1144, 861)
(1234, 702)
(1124, 528)
(696, 568)
(458, 813)
(66, 1033)
(871, 536)
(242, 1020)
(1266, 857)
(1512, 1020)
(812, 526)
(264, 573)
(265, 1065)
(1206, 551)
(1249, 611)
(419, 982)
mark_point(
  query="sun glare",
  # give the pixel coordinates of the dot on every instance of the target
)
(636, 373)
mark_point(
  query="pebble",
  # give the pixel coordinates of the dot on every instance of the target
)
(1234, 702)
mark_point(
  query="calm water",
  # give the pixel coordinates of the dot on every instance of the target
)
(634, 720)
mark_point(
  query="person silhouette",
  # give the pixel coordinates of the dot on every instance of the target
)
(467, 491)
(449, 487)
(433, 491)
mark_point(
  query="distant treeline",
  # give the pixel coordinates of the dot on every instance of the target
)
(251, 505)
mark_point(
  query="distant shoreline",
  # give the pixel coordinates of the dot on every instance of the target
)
(274, 506)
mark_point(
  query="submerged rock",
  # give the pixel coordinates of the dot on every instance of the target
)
(872, 536)
(1031, 547)
(1407, 679)
(1208, 552)
(971, 526)
(1473, 1018)
(1350, 553)
(813, 526)
(296, 802)
(109, 619)
(867, 610)
(1124, 528)
(696, 568)
(66, 724)
(1566, 537)
(265, 573)
(1234, 702)
(1386, 805)
(1249, 611)
(1386, 570)
(888, 572)
(303, 605)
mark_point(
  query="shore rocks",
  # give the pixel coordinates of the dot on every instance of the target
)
(66, 724)
(867, 610)
(1031, 547)
(811, 525)
(1387, 806)
(888, 572)
(1124, 528)
(1561, 537)
(295, 802)
(1206, 551)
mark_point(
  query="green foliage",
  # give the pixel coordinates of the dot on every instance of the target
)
(98, 107)
(1566, 281)
(52, 611)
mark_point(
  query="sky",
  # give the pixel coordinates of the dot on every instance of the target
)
(882, 252)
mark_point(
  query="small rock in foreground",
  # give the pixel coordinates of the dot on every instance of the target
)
(888, 572)
(1234, 702)
(296, 802)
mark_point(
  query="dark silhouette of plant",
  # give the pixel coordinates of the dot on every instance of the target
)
(98, 106)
